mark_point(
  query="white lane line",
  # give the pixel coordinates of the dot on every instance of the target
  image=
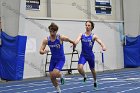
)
(125, 72)
(47, 81)
(29, 85)
(25, 84)
(119, 75)
(45, 88)
(132, 79)
(129, 90)
(114, 86)
(97, 75)
(109, 79)
(68, 85)
(34, 85)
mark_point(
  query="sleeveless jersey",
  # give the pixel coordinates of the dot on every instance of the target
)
(87, 44)
(56, 48)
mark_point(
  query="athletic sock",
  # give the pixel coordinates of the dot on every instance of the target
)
(85, 78)
(95, 81)
(58, 89)
(62, 79)
(95, 84)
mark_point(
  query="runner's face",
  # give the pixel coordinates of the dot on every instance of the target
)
(88, 26)
(52, 32)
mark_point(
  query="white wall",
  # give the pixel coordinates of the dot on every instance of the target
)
(38, 13)
(34, 64)
(0, 7)
(65, 9)
(68, 9)
(14, 23)
(111, 16)
(10, 16)
(132, 17)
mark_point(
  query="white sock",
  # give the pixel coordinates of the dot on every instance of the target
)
(58, 89)
(95, 81)
(62, 75)
(85, 76)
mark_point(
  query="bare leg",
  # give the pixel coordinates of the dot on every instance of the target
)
(81, 70)
(93, 74)
(53, 75)
(94, 77)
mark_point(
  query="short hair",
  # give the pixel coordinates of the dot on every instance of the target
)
(53, 26)
(92, 24)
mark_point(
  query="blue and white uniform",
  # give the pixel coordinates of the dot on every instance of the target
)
(58, 58)
(87, 53)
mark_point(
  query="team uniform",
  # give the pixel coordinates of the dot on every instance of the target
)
(57, 50)
(87, 53)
